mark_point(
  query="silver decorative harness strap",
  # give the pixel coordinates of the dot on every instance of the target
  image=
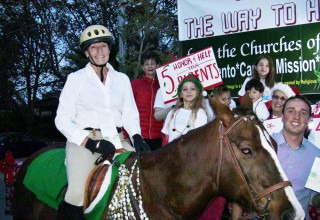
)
(120, 206)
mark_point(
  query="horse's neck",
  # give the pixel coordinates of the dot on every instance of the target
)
(180, 175)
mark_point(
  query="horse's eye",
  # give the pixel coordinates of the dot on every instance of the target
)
(246, 151)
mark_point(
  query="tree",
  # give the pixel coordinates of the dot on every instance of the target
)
(150, 25)
(29, 67)
(39, 43)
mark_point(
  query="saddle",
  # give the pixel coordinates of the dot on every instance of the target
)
(95, 180)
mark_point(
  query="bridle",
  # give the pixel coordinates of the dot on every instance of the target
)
(255, 197)
(223, 137)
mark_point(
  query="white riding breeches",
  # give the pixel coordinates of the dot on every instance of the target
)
(79, 164)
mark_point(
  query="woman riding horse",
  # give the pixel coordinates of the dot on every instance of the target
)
(95, 103)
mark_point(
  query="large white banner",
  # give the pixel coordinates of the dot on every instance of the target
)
(208, 18)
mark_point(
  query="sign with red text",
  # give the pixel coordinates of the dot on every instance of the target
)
(273, 125)
(314, 135)
(207, 18)
(203, 64)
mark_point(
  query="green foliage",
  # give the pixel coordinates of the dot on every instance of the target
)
(149, 25)
(39, 43)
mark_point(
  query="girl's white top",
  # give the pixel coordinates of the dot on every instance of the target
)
(260, 109)
(176, 126)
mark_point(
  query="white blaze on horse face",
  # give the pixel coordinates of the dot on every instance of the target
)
(265, 140)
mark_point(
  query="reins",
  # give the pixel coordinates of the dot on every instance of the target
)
(223, 136)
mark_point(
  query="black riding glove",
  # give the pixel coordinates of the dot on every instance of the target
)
(139, 144)
(101, 146)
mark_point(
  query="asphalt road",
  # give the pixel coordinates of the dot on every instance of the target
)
(3, 206)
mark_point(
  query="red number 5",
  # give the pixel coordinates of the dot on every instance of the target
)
(171, 80)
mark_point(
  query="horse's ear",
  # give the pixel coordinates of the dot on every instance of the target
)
(246, 101)
(222, 112)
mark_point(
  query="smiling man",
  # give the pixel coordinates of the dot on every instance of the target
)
(296, 154)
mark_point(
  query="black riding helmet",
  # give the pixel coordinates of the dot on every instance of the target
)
(94, 34)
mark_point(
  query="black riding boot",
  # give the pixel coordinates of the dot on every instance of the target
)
(67, 211)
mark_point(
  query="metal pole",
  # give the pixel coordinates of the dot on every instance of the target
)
(122, 5)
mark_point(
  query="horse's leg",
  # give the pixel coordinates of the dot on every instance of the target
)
(43, 212)
(21, 205)
(28, 207)
(38, 210)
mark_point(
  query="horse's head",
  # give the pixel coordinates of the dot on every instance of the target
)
(247, 152)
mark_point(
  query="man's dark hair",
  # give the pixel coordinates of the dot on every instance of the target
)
(299, 97)
(256, 84)
(150, 55)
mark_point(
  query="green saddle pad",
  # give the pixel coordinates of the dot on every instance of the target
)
(46, 177)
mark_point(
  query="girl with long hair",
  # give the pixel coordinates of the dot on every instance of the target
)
(189, 112)
(265, 72)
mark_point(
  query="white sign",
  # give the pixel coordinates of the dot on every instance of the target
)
(313, 181)
(314, 135)
(203, 64)
(207, 18)
(273, 125)
(316, 128)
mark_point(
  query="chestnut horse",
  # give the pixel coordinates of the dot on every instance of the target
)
(233, 156)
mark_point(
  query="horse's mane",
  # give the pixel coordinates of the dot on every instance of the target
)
(244, 111)
(241, 110)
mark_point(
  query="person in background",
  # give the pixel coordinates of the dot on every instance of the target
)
(162, 109)
(265, 72)
(255, 90)
(95, 100)
(144, 92)
(189, 112)
(223, 94)
(296, 154)
(279, 93)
